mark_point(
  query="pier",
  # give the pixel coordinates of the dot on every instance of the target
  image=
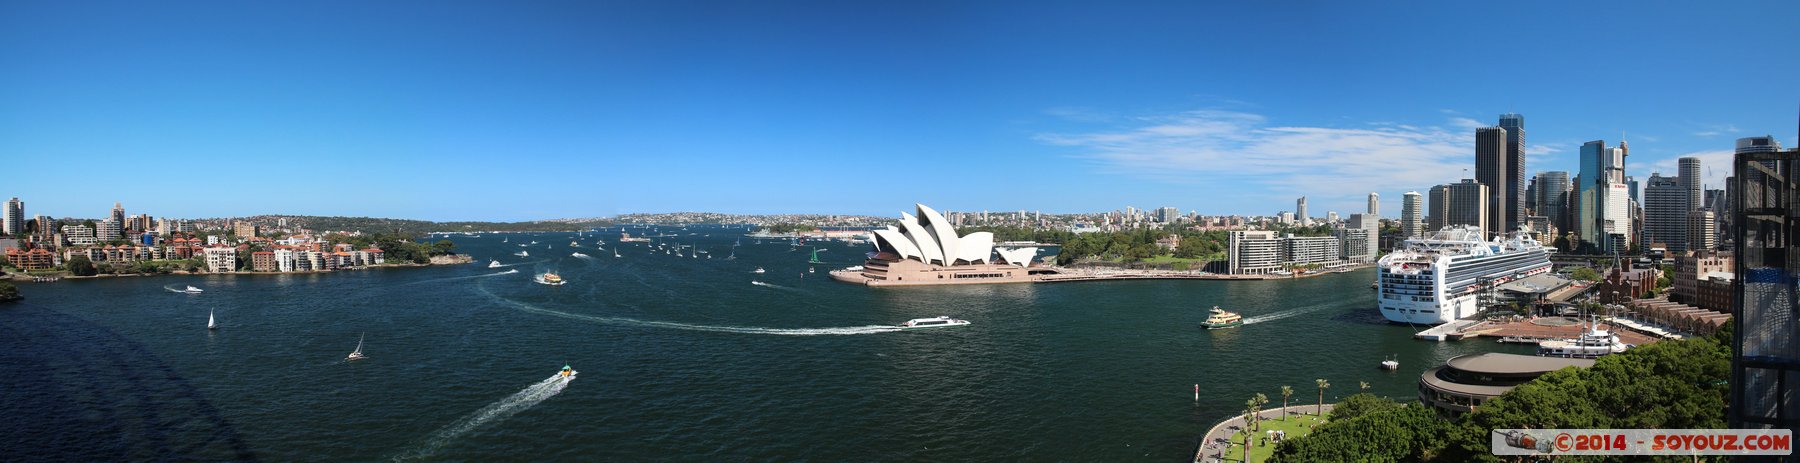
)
(1446, 332)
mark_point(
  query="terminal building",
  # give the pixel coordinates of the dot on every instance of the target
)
(1467, 381)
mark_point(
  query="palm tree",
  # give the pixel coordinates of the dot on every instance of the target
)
(1260, 400)
(1364, 385)
(1322, 385)
(1251, 412)
(1285, 393)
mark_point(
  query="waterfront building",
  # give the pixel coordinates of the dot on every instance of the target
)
(1466, 381)
(262, 261)
(107, 230)
(1370, 224)
(1310, 250)
(1440, 278)
(221, 259)
(1412, 214)
(1355, 244)
(1766, 358)
(31, 259)
(925, 250)
(1551, 197)
(1459, 204)
(1666, 213)
(1300, 212)
(1253, 252)
(14, 220)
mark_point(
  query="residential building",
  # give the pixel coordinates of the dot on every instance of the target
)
(1463, 203)
(1253, 251)
(284, 259)
(1308, 250)
(14, 220)
(46, 230)
(78, 235)
(263, 261)
(221, 259)
(1370, 225)
(1412, 214)
(1374, 204)
(118, 214)
(107, 230)
(1300, 212)
(30, 259)
(244, 230)
(1355, 244)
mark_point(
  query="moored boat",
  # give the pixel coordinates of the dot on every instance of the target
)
(1219, 319)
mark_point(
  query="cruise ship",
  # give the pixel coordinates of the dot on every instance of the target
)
(1438, 278)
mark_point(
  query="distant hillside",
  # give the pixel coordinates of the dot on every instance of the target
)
(417, 227)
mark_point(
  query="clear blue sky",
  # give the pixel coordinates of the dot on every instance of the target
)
(527, 110)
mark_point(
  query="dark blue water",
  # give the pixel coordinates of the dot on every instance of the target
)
(680, 358)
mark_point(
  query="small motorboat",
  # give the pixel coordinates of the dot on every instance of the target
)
(522, 254)
(1390, 364)
(759, 270)
(567, 372)
(494, 264)
(550, 278)
(578, 255)
(934, 322)
(193, 290)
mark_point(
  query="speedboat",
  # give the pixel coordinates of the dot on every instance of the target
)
(193, 290)
(550, 278)
(494, 264)
(759, 270)
(566, 372)
(574, 244)
(578, 255)
(1220, 319)
(934, 322)
(522, 254)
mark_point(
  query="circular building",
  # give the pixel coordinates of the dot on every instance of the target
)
(1467, 381)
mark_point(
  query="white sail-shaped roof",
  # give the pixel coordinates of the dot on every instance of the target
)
(931, 239)
(976, 248)
(897, 242)
(1019, 256)
(941, 231)
(921, 238)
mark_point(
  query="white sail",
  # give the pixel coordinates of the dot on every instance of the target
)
(210, 323)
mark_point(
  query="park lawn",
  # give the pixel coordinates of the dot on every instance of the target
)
(1297, 425)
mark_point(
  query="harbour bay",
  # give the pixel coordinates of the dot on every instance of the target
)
(681, 358)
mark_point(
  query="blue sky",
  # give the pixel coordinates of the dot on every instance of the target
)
(512, 111)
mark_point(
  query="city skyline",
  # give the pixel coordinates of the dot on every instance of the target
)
(564, 111)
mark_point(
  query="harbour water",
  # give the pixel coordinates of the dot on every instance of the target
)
(680, 358)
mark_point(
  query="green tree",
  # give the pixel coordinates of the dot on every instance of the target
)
(1285, 393)
(1250, 413)
(1396, 433)
(1320, 411)
(81, 266)
(443, 247)
(1360, 404)
(1585, 274)
(8, 292)
(1260, 400)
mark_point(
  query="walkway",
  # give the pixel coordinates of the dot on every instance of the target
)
(1213, 444)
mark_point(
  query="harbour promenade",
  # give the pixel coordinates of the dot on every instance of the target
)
(1067, 274)
(1217, 440)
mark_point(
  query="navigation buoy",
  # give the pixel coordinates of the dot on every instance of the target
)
(1196, 392)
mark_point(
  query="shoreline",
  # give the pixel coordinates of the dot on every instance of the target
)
(457, 259)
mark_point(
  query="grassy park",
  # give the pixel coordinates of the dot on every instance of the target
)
(1296, 425)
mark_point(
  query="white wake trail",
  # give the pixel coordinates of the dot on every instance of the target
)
(484, 275)
(522, 263)
(494, 412)
(1282, 314)
(836, 331)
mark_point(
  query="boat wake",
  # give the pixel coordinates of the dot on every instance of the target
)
(494, 412)
(520, 263)
(174, 289)
(484, 275)
(772, 285)
(1272, 316)
(837, 331)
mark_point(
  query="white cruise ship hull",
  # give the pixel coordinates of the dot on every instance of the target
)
(1440, 280)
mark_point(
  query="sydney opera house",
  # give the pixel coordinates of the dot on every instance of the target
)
(925, 250)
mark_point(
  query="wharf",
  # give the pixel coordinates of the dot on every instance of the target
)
(1064, 274)
(1548, 328)
(1446, 332)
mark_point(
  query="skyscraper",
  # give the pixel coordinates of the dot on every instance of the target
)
(1553, 197)
(1666, 213)
(1374, 204)
(1514, 123)
(118, 214)
(1690, 181)
(14, 221)
(1412, 211)
(1490, 170)
(1603, 218)
(1300, 212)
(1463, 203)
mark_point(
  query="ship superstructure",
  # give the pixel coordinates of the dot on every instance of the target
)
(1440, 277)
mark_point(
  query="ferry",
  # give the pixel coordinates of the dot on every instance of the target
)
(550, 278)
(934, 322)
(1220, 319)
(566, 372)
(1594, 343)
(1437, 278)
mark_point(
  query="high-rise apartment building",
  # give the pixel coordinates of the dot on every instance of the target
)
(1412, 214)
(1666, 213)
(1463, 203)
(1374, 204)
(107, 230)
(1300, 212)
(118, 213)
(14, 221)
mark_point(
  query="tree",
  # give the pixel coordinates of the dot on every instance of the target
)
(1360, 404)
(1260, 400)
(1285, 393)
(443, 247)
(1250, 413)
(1585, 274)
(8, 292)
(1320, 411)
(81, 266)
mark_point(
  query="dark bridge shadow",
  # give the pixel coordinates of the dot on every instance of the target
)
(72, 390)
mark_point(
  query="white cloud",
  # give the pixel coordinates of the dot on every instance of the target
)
(1467, 124)
(1715, 165)
(1714, 130)
(1228, 152)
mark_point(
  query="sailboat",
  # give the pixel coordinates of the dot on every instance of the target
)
(815, 257)
(356, 354)
(211, 324)
(615, 252)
